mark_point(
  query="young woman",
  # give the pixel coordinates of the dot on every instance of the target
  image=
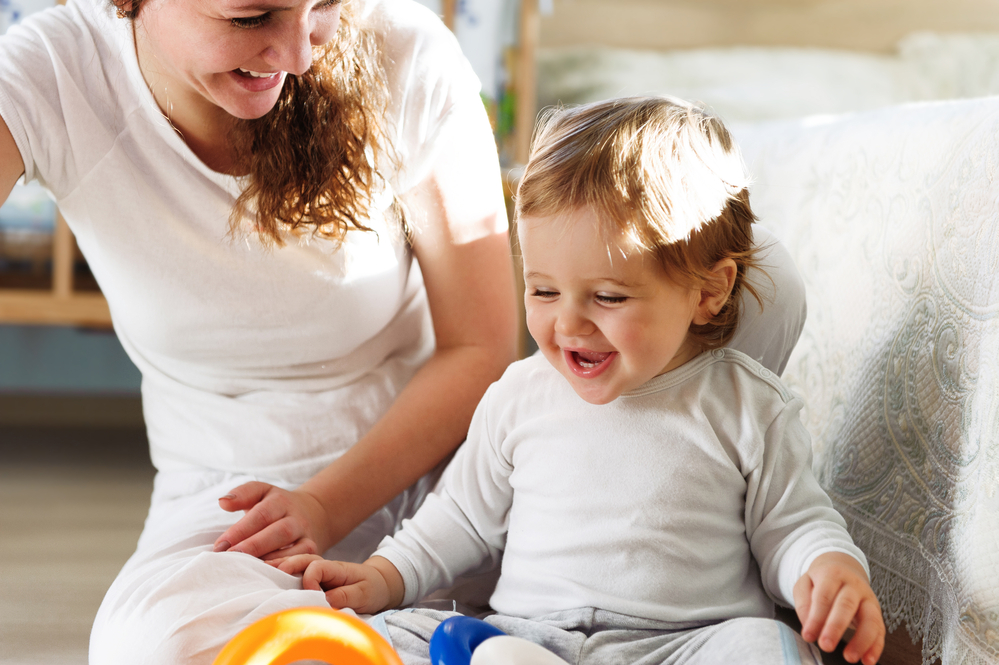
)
(250, 181)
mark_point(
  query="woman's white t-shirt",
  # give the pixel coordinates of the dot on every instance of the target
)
(257, 360)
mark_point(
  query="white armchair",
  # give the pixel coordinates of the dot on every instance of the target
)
(893, 218)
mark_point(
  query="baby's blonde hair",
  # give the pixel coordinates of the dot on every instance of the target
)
(662, 173)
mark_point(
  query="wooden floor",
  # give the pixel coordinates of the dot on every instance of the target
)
(72, 503)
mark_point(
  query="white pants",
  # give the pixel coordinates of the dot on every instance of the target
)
(177, 602)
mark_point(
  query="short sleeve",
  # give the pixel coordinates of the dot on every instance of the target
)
(433, 87)
(55, 92)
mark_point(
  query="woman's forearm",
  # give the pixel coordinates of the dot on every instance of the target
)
(427, 421)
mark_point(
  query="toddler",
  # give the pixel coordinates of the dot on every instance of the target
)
(649, 490)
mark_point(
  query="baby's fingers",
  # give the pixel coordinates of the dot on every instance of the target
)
(869, 640)
(819, 602)
(360, 597)
(840, 615)
(295, 564)
(803, 602)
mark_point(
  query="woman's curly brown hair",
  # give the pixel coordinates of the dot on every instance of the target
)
(309, 165)
(311, 161)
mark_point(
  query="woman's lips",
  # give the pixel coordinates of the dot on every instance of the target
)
(588, 364)
(256, 83)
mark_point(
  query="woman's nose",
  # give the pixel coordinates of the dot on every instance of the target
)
(291, 52)
(292, 49)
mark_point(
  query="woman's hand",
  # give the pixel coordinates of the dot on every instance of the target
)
(277, 523)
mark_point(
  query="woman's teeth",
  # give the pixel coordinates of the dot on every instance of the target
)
(259, 75)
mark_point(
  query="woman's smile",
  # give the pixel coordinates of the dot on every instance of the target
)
(257, 81)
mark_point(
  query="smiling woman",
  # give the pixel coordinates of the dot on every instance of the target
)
(295, 213)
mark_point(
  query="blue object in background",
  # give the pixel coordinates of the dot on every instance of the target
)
(456, 638)
(46, 360)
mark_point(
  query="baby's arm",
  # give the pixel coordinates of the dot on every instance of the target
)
(834, 594)
(366, 588)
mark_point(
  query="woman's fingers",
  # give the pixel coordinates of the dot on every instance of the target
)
(269, 524)
(245, 496)
(269, 538)
(302, 546)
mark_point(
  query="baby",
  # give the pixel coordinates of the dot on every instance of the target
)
(649, 490)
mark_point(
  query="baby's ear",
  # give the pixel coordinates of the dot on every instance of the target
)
(715, 292)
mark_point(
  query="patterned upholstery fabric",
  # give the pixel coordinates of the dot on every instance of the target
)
(893, 218)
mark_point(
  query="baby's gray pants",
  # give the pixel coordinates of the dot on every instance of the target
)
(597, 637)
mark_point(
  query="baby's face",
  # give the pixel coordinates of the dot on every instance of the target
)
(604, 315)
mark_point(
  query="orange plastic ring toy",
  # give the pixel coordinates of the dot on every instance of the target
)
(308, 633)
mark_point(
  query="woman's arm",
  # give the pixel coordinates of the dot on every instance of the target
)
(459, 238)
(11, 164)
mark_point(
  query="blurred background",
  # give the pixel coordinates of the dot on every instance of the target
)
(74, 472)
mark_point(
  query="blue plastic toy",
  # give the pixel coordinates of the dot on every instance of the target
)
(468, 641)
(456, 638)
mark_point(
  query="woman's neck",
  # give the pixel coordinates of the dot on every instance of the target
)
(202, 125)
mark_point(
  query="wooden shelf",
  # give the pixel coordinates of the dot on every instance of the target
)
(61, 305)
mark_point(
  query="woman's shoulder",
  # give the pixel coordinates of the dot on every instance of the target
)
(404, 27)
(430, 83)
(416, 46)
(76, 27)
(79, 43)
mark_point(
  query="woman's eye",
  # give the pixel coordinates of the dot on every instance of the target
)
(611, 300)
(250, 21)
(256, 21)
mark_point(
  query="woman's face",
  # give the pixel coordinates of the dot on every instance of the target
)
(230, 54)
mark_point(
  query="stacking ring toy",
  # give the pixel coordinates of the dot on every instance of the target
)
(456, 638)
(308, 633)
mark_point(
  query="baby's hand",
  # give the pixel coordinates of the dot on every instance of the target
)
(366, 588)
(834, 594)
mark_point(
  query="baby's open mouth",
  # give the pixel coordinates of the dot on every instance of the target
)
(588, 364)
(589, 359)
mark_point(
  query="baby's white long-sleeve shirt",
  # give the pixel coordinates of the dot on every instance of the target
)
(690, 498)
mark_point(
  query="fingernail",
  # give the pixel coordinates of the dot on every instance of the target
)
(228, 496)
(222, 546)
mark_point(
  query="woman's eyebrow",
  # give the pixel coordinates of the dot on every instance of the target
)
(258, 6)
